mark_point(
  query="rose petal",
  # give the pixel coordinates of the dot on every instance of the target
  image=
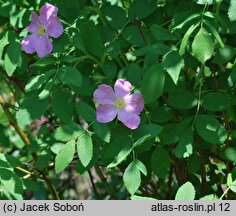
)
(43, 46)
(55, 28)
(105, 113)
(35, 23)
(47, 12)
(134, 103)
(29, 43)
(122, 88)
(129, 119)
(104, 94)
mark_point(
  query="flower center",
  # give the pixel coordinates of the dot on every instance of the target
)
(120, 104)
(41, 30)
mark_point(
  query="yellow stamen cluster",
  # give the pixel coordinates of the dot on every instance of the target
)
(41, 30)
(120, 104)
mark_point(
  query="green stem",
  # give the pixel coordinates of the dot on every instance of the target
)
(10, 81)
(199, 92)
(204, 10)
(137, 23)
(82, 58)
(48, 182)
(50, 186)
(147, 114)
(226, 191)
(124, 58)
(203, 172)
(13, 121)
(104, 182)
(218, 8)
(93, 184)
(134, 155)
(26, 141)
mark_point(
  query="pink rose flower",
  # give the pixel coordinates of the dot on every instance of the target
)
(42, 27)
(119, 102)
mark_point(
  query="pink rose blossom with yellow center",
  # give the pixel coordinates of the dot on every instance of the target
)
(119, 102)
(42, 27)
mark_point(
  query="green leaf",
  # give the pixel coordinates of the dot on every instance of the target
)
(161, 114)
(123, 154)
(173, 63)
(111, 150)
(45, 93)
(230, 183)
(147, 131)
(160, 162)
(154, 49)
(162, 34)
(43, 62)
(209, 197)
(203, 46)
(7, 8)
(142, 168)
(186, 37)
(8, 161)
(229, 154)
(204, 2)
(80, 168)
(132, 35)
(135, 197)
(109, 69)
(185, 192)
(12, 57)
(232, 77)
(37, 82)
(69, 59)
(210, 129)
(231, 11)
(56, 147)
(195, 163)
(86, 88)
(4, 41)
(91, 38)
(67, 132)
(20, 18)
(190, 18)
(102, 131)
(141, 140)
(78, 41)
(31, 108)
(62, 105)
(172, 132)
(70, 76)
(215, 33)
(60, 45)
(43, 160)
(141, 8)
(153, 83)
(207, 71)
(85, 147)
(65, 156)
(85, 111)
(216, 101)
(182, 99)
(11, 184)
(70, 9)
(132, 177)
(233, 171)
(229, 179)
(225, 55)
(112, 13)
(185, 146)
(135, 73)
